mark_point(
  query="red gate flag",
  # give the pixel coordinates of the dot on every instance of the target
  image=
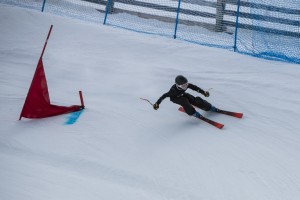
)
(37, 103)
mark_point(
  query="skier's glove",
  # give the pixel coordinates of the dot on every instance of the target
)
(155, 106)
(206, 94)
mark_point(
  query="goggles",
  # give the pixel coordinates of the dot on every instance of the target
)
(183, 86)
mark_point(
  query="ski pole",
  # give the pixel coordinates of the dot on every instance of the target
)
(209, 89)
(147, 100)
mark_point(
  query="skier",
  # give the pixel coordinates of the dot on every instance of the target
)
(178, 95)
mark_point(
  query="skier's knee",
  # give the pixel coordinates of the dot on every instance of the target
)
(202, 104)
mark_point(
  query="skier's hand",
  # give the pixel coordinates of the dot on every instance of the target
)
(206, 94)
(155, 106)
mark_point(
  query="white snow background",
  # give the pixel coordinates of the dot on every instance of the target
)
(122, 149)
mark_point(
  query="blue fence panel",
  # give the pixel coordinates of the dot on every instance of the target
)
(202, 22)
(266, 28)
(155, 16)
(92, 10)
(32, 4)
(270, 29)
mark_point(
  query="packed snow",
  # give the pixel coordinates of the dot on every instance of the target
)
(120, 147)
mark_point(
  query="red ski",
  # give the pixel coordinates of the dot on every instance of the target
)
(233, 114)
(216, 124)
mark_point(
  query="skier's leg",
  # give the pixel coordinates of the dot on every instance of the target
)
(205, 105)
(184, 102)
(200, 103)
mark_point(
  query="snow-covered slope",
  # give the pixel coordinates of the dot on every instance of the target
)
(120, 148)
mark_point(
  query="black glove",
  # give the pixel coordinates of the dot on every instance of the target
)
(206, 94)
(155, 106)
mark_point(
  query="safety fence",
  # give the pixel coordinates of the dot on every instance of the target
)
(263, 28)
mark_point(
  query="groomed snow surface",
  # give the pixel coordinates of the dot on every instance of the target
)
(122, 149)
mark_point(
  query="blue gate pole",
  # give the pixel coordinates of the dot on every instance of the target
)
(43, 5)
(106, 12)
(178, 11)
(236, 24)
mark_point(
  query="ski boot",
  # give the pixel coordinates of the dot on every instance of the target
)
(213, 109)
(197, 114)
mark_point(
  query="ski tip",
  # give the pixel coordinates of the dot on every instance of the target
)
(239, 115)
(181, 109)
(220, 126)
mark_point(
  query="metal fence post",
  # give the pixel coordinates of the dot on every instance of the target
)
(220, 16)
(43, 5)
(177, 16)
(236, 24)
(111, 6)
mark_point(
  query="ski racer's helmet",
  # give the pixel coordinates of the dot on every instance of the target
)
(181, 82)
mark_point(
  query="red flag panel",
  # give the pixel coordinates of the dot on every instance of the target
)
(37, 103)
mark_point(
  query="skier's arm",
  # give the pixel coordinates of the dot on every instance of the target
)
(196, 88)
(162, 98)
(156, 105)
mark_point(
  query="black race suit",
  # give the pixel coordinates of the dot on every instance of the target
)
(186, 100)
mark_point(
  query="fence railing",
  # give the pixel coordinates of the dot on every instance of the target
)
(263, 28)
